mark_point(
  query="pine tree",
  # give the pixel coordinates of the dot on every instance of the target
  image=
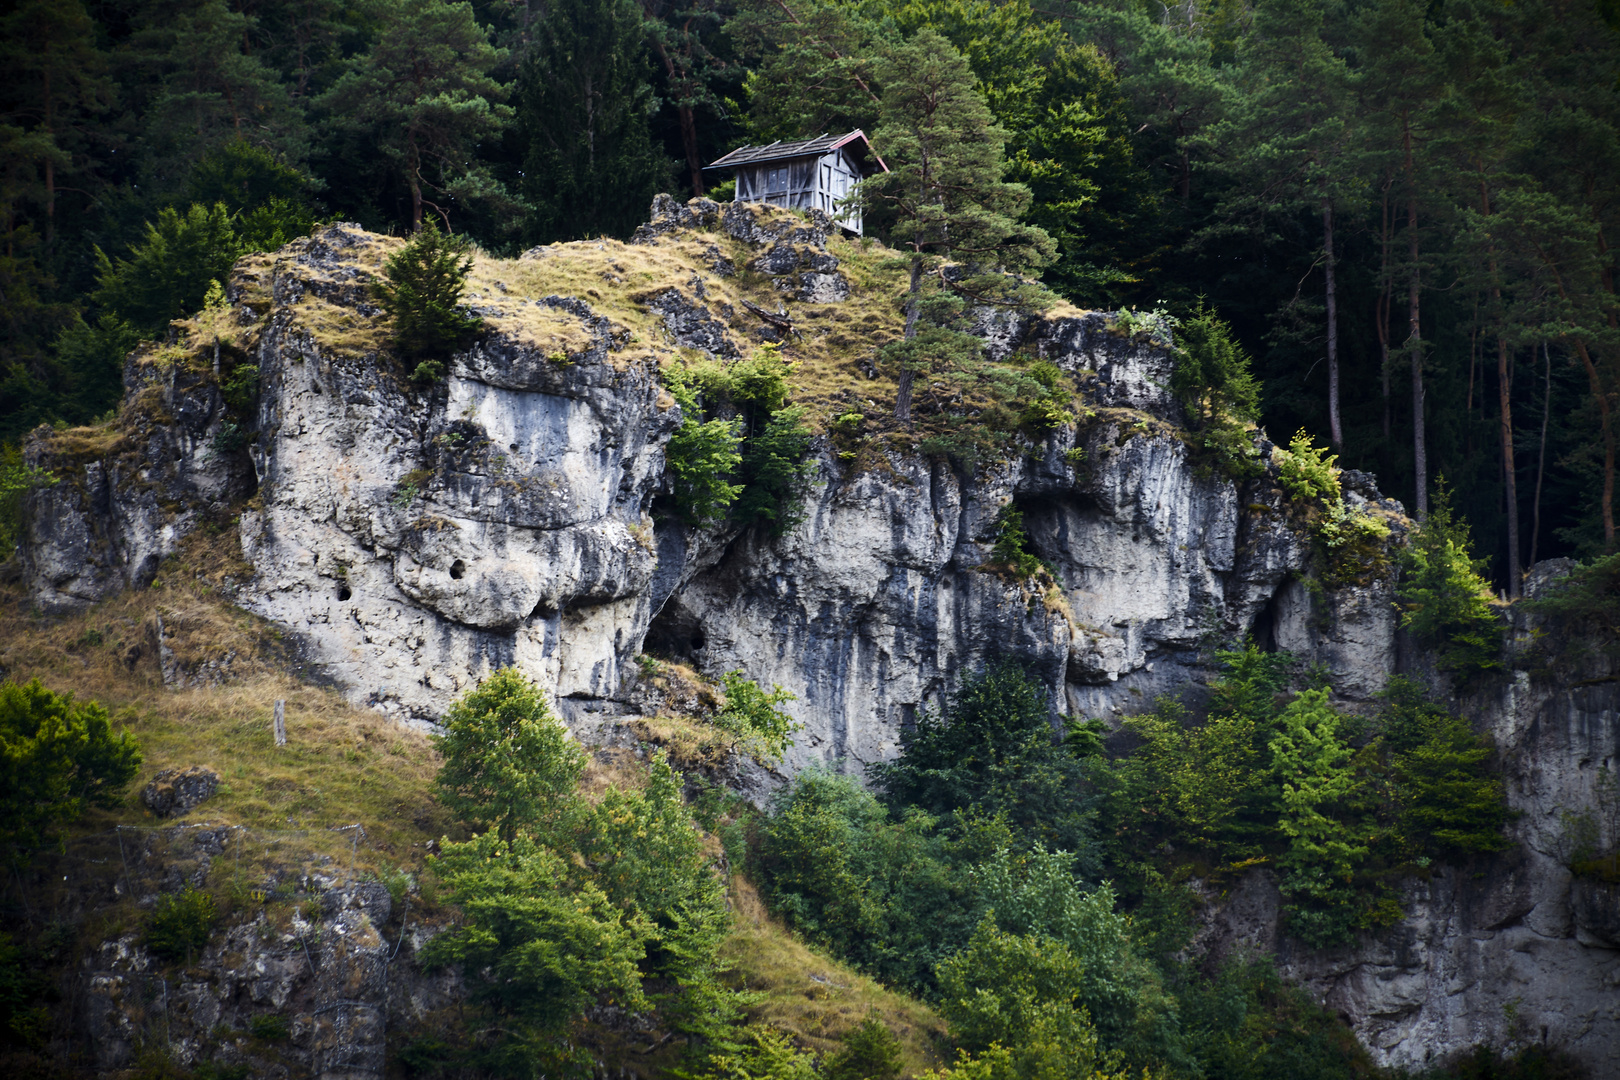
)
(591, 165)
(1397, 95)
(208, 87)
(423, 97)
(946, 198)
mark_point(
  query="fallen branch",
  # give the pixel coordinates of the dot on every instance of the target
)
(781, 322)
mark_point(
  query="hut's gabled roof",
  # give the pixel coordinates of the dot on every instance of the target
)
(855, 143)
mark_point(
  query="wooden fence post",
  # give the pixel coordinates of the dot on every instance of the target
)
(281, 723)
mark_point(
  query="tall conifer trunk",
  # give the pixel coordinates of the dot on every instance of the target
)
(1414, 338)
(1335, 432)
(902, 394)
(1384, 303)
(1504, 398)
(1541, 458)
(1510, 480)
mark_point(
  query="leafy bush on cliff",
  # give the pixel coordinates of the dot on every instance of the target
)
(1323, 819)
(1445, 603)
(421, 288)
(751, 714)
(1011, 548)
(994, 754)
(181, 925)
(1214, 381)
(740, 448)
(1449, 799)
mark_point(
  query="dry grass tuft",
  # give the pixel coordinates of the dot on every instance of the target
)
(816, 999)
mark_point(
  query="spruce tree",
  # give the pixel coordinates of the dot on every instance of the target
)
(422, 290)
(1318, 782)
(947, 200)
(591, 166)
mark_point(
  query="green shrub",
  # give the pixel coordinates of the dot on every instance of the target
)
(1188, 783)
(93, 353)
(421, 288)
(763, 731)
(1011, 549)
(58, 758)
(994, 753)
(760, 1053)
(1450, 801)
(1445, 603)
(1034, 895)
(509, 764)
(885, 894)
(1306, 471)
(181, 925)
(775, 466)
(1021, 992)
(736, 426)
(240, 389)
(1325, 844)
(550, 940)
(1213, 376)
(269, 1027)
(167, 273)
(1156, 325)
(871, 1052)
(1053, 407)
(702, 455)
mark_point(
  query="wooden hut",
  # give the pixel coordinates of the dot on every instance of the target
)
(814, 173)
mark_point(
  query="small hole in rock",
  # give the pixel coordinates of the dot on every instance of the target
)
(343, 592)
(512, 447)
(457, 569)
(698, 641)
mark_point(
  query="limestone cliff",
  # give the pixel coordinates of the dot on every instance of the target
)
(412, 538)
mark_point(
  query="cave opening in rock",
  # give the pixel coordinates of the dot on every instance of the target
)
(458, 569)
(1264, 627)
(675, 633)
(343, 593)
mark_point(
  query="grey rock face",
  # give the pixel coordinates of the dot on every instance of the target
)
(332, 985)
(110, 519)
(176, 791)
(413, 541)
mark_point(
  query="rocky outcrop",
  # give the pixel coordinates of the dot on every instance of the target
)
(1507, 950)
(413, 538)
(177, 791)
(314, 990)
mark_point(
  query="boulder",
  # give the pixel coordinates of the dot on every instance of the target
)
(173, 792)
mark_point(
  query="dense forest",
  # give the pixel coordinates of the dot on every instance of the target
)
(1403, 209)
